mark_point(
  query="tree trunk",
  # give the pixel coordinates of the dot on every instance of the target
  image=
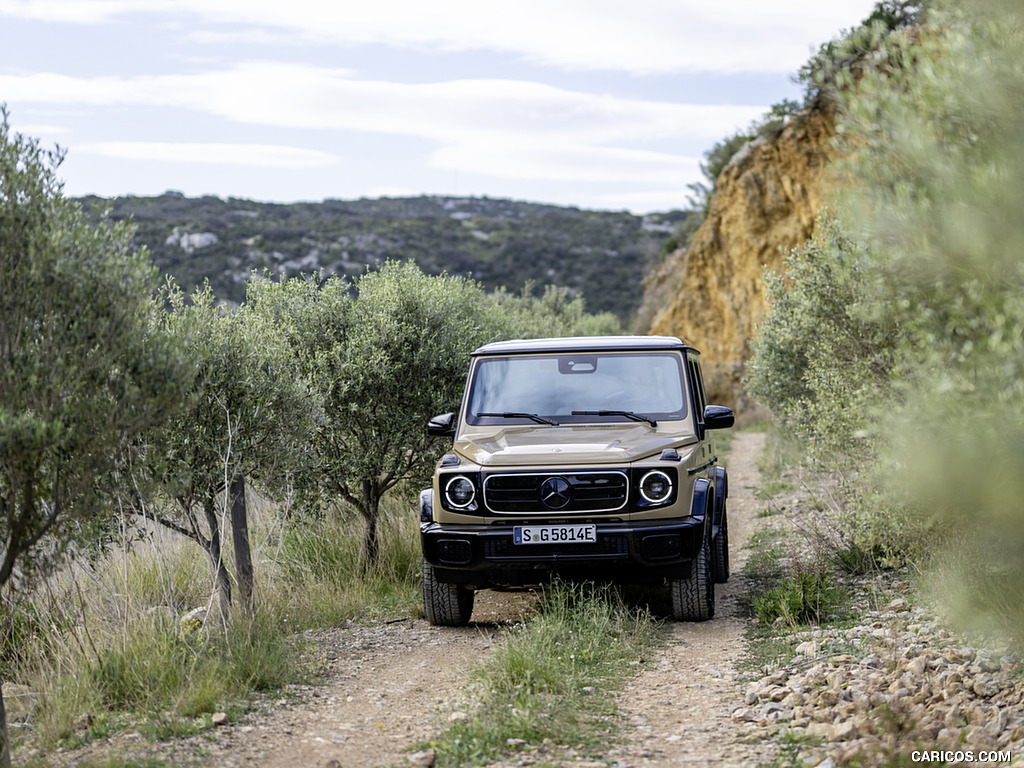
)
(243, 551)
(5, 744)
(370, 549)
(217, 557)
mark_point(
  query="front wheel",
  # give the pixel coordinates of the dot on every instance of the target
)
(445, 605)
(693, 598)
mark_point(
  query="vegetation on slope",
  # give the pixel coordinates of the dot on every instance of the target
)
(919, 375)
(499, 243)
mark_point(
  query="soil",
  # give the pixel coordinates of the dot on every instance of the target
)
(388, 687)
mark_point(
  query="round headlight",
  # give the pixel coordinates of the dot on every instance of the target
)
(656, 486)
(460, 492)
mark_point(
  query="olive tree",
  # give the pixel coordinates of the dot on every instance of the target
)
(248, 415)
(385, 352)
(823, 359)
(84, 367)
(555, 313)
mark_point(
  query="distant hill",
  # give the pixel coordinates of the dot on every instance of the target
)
(500, 243)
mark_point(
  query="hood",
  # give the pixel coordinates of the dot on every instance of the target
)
(606, 444)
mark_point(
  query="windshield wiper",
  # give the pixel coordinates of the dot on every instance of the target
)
(517, 415)
(627, 414)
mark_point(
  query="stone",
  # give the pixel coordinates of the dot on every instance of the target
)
(422, 759)
(828, 698)
(794, 700)
(745, 714)
(219, 718)
(807, 648)
(844, 730)
(778, 693)
(986, 686)
(980, 739)
(948, 737)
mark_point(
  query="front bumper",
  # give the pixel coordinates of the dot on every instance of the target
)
(634, 552)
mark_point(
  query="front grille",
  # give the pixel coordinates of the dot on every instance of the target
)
(506, 549)
(581, 492)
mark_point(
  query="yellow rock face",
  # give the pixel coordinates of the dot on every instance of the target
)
(712, 293)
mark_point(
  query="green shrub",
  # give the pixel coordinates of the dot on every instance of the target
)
(807, 597)
(823, 359)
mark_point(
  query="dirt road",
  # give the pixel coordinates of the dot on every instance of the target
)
(680, 705)
(393, 685)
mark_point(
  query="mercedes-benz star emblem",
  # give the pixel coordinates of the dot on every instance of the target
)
(555, 492)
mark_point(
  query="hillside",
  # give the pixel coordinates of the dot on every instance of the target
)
(766, 201)
(501, 243)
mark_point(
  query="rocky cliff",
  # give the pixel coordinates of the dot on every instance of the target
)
(766, 202)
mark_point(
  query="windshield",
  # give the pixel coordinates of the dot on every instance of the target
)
(517, 389)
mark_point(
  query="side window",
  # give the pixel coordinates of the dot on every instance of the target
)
(698, 385)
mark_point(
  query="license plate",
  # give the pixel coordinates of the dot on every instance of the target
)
(555, 534)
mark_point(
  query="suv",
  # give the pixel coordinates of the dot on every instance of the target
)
(587, 457)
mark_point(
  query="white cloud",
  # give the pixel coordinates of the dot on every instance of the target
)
(538, 160)
(79, 11)
(299, 96)
(262, 155)
(35, 129)
(500, 128)
(645, 36)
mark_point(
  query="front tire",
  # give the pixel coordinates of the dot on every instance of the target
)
(445, 605)
(693, 598)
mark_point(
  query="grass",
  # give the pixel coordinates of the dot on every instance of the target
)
(553, 681)
(102, 645)
(321, 584)
(806, 597)
(773, 488)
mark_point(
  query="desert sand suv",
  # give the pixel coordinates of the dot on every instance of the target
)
(588, 457)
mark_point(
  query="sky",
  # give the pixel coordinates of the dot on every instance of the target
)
(600, 104)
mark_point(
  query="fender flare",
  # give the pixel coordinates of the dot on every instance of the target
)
(427, 505)
(703, 494)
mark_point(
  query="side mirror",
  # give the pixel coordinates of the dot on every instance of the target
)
(442, 426)
(718, 417)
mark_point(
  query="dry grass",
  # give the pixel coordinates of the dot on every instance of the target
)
(103, 644)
